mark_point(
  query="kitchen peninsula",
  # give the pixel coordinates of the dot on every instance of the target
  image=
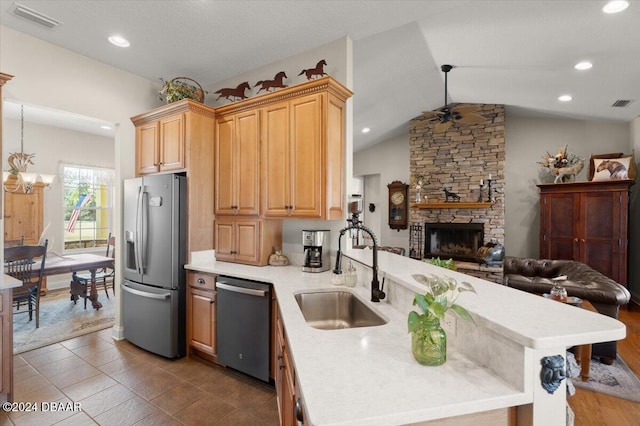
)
(367, 375)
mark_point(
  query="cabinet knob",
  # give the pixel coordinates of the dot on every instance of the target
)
(582, 240)
(281, 366)
(575, 240)
(200, 281)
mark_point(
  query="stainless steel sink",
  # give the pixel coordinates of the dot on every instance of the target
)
(333, 310)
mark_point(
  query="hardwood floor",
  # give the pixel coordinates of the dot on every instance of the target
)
(596, 409)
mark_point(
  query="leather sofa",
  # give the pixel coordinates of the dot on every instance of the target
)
(535, 276)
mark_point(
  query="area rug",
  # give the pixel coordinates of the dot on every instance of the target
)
(615, 379)
(60, 320)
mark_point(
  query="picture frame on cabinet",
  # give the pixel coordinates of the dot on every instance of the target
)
(613, 166)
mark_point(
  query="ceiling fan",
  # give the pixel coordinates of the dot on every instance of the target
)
(446, 116)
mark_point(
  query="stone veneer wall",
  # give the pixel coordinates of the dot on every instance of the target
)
(457, 159)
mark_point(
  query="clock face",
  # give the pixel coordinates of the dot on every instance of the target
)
(397, 198)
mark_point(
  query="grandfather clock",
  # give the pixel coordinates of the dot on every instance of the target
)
(398, 205)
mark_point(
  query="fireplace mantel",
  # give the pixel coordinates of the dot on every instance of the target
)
(456, 205)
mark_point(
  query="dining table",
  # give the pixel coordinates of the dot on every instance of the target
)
(72, 263)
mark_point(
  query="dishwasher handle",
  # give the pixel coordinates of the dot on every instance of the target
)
(163, 296)
(236, 289)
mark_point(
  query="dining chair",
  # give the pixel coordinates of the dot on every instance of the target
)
(104, 277)
(21, 262)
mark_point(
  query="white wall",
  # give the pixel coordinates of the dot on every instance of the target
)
(47, 75)
(389, 160)
(53, 145)
(527, 140)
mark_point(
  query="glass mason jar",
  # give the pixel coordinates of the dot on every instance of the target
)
(559, 293)
(429, 344)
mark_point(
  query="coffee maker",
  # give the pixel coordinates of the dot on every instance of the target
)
(316, 251)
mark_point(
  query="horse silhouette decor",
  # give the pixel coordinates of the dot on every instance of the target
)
(276, 83)
(230, 93)
(448, 194)
(317, 71)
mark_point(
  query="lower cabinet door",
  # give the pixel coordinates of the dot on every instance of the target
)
(203, 327)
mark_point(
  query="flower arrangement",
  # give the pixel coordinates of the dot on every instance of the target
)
(174, 90)
(419, 181)
(564, 165)
(441, 295)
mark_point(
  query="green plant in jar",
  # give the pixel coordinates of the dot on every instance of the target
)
(428, 339)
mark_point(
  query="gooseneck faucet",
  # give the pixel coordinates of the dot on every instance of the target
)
(354, 223)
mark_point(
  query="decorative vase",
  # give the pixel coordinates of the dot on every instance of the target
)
(429, 344)
(418, 196)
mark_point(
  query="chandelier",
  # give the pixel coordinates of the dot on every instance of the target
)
(18, 178)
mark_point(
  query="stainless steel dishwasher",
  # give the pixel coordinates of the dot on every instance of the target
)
(242, 325)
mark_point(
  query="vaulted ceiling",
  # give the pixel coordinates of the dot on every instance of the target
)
(517, 53)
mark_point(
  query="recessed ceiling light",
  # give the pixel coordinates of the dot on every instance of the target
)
(119, 41)
(565, 98)
(366, 130)
(584, 65)
(615, 6)
(105, 127)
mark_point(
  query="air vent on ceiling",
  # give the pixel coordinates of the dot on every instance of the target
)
(34, 16)
(621, 103)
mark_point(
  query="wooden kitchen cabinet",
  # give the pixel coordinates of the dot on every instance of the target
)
(179, 138)
(160, 145)
(6, 345)
(201, 313)
(246, 240)
(23, 214)
(587, 222)
(237, 158)
(302, 157)
(285, 378)
(6, 301)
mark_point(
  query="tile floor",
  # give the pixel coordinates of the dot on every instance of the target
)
(117, 383)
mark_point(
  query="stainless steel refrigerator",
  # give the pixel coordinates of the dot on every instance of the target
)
(153, 290)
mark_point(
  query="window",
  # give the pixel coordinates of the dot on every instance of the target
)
(88, 206)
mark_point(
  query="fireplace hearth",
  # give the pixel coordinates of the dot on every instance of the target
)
(459, 241)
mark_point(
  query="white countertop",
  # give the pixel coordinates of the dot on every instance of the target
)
(7, 281)
(367, 376)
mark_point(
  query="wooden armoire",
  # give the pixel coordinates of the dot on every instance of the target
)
(587, 222)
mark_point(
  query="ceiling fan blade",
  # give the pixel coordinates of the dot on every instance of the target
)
(471, 119)
(443, 127)
(465, 109)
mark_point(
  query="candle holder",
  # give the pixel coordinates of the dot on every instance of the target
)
(489, 190)
(480, 194)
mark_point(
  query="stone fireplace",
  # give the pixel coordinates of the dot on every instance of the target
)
(459, 241)
(457, 160)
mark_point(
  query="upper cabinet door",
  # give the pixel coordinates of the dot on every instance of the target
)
(237, 164)
(247, 164)
(275, 164)
(225, 171)
(147, 148)
(172, 144)
(306, 157)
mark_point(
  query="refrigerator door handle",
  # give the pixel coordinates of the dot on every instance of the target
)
(136, 238)
(144, 229)
(163, 296)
